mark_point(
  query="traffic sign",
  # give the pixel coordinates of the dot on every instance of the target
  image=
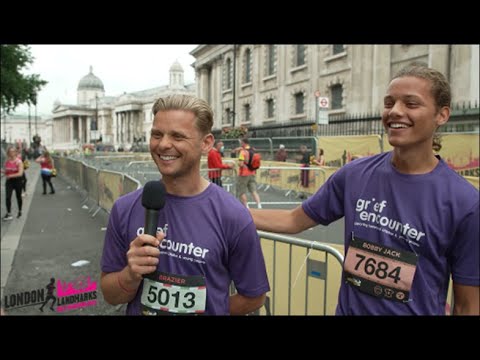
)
(323, 102)
(317, 94)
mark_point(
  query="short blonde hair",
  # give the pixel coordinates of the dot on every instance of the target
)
(200, 108)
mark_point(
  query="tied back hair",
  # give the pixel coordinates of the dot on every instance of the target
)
(440, 89)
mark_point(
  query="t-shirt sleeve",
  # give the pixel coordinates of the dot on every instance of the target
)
(247, 265)
(327, 204)
(465, 254)
(115, 247)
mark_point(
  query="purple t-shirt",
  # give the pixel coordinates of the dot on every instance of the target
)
(433, 216)
(211, 234)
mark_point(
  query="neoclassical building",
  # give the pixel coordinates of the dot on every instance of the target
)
(261, 85)
(118, 120)
(21, 128)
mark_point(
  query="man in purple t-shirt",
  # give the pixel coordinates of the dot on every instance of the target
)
(205, 241)
(411, 222)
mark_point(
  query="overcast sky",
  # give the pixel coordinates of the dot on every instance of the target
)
(122, 68)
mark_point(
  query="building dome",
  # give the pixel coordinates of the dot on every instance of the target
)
(90, 82)
(176, 66)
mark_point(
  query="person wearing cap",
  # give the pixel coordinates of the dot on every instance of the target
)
(281, 154)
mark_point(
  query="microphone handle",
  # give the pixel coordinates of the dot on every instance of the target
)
(151, 219)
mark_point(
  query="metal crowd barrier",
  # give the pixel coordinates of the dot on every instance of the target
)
(315, 267)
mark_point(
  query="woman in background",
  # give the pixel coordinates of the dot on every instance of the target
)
(46, 166)
(13, 170)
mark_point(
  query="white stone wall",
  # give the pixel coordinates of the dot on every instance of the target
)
(363, 71)
(87, 97)
(16, 127)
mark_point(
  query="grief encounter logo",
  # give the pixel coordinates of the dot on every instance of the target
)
(370, 214)
(56, 296)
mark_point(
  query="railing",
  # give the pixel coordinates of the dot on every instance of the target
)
(318, 277)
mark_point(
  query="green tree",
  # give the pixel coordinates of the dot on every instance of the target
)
(15, 87)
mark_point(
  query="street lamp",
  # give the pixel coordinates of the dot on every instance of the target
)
(234, 82)
(29, 124)
(94, 123)
(96, 111)
(35, 103)
(5, 127)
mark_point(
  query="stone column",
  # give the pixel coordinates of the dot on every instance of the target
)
(87, 140)
(197, 82)
(115, 129)
(381, 75)
(204, 82)
(80, 129)
(130, 126)
(216, 93)
(71, 124)
(63, 129)
(123, 126)
(474, 78)
(438, 58)
(359, 92)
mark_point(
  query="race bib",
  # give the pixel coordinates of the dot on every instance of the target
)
(171, 294)
(379, 270)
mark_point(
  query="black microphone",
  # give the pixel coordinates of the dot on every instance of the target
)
(153, 200)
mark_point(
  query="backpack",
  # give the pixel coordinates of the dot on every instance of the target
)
(254, 160)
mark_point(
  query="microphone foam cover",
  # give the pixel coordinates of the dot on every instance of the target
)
(153, 196)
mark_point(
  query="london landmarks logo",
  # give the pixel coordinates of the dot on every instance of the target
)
(56, 296)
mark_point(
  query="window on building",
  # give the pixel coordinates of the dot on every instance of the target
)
(247, 66)
(300, 55)
(247, 112)
(270, 109)
(337, 49)
(337, 96)
(93, 124)
(228, 74)
(271, 59)
(228, 116)
(299, 103)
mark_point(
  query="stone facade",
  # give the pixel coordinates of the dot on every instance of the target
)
(19, 128)
(265, 85)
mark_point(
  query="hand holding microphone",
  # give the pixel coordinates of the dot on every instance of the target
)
(153, 200)
(143, 259)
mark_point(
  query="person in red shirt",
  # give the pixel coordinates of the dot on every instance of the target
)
(215, 162)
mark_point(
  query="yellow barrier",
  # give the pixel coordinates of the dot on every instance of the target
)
(461, 153)
(339, 150)
(110, 186)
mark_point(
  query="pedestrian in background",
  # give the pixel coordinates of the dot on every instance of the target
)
(246, 177)
(13, 171)
(305, 159)
(46, 167)
(281, 154)
(320, 161)
(214, 161)
(26, 164)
